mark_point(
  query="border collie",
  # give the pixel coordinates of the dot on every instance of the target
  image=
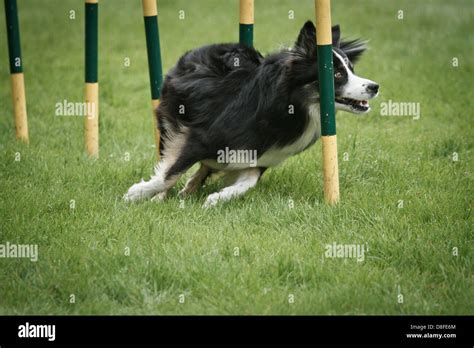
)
(228, 97)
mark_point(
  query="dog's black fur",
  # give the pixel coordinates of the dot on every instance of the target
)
(244, 106)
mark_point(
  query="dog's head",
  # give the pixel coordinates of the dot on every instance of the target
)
(351, 91)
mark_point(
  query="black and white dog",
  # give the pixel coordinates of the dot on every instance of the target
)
(229, 97)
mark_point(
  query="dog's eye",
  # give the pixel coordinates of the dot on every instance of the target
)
(338, 75)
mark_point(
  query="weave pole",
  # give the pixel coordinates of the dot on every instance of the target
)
(150, 15)
(326, 93)
(16, 71)
(246, 22)
(91, 124)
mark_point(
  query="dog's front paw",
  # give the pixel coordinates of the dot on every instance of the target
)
(134, 193)
(211, 200)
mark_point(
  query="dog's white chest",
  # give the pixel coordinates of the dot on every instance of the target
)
(274, 156)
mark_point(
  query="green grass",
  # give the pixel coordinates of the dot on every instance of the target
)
(190, 251)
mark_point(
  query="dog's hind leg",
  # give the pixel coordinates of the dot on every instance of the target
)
(246, 179)
(147, 189)
(175, 161)
(195, 181)
(160, 197)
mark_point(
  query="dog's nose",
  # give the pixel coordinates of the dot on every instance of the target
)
(373, 87)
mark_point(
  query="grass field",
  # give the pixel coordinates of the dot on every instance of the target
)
(402, 194)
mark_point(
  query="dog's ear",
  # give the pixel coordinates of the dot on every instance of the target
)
(353, 49)
(307, 38)
(336, 35)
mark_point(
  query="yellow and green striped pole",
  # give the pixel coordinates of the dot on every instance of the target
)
(150, 15)
(246, 22)
(91, 124)
(16, 70)
(326, 93)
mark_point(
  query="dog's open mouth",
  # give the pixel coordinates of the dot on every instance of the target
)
(358, 105)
